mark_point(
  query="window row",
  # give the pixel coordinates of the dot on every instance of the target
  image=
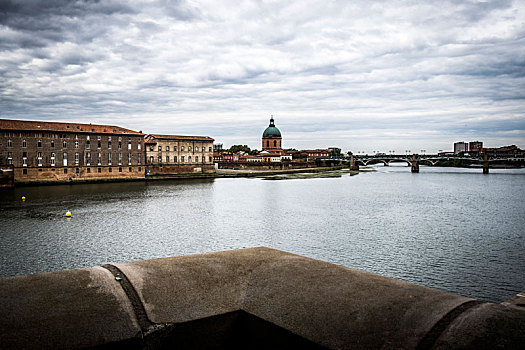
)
(183, 159)
(87, 160)
(88, 170)
(167, 148)
(64, 144)
(56, 136)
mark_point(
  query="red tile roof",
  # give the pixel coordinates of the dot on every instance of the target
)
(8, 124)
(152, 137)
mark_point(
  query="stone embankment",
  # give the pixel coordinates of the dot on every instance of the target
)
(249, 298)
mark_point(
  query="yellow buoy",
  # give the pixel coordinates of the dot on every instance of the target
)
(68, 214)
(23, 198)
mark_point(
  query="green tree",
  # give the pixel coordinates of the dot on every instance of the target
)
(335, 152)
(238, 148)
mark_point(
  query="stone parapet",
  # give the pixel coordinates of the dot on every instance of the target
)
(249, 298)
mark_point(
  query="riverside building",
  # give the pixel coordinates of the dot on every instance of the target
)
(40, 151)
(170, 154)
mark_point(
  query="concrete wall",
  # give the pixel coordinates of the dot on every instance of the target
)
(180, 169)
(250, 298)
(7, 176)
(78, 173)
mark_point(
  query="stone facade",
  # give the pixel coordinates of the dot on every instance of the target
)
(50, 151)
(172, 154)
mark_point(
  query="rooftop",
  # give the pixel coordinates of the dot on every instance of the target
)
(153, 137)
(27, 125)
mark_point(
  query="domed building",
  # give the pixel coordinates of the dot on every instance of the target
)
(271, 139)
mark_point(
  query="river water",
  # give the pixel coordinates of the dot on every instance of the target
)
(453, 229)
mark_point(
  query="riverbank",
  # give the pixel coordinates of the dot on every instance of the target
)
(220, 173)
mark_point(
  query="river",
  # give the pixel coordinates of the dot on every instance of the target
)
(453, 229)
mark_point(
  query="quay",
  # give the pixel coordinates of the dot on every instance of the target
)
(249, 298)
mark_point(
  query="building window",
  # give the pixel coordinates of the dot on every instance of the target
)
(99, 144)
(87, 137)
(151, 159)
(24, 171)
(24, 143)
(39, 143)
(76, 144)
(120, 169)
(88, 170)
(129, 158)
(189, 148)
(175, 148)
(52, 144)
(151, 148)
(9, 143)
(110, 170)
(9, 158)
(160, 148)
(175, 159)
(139, 158)
(88, 144)
(109, 158)
(167, 148)
(77, 170)
(129, 145)
(39, 158)
(182, 159)
(196, 159)
(64, 144)
(274, 143)
(209, 149)
(167, 159)
(160, 160)
(99, 137)
(88, 158)
(196, 148)
(109, 138)
(120, 138)
(210, 160)
(119, 158)
(109, 144)
(139, 146)
(189, 159)
(182, 148)
(99, 170)
(99, 160)
(120, 145)
(129, 169)
(65, 170)
(52, 158)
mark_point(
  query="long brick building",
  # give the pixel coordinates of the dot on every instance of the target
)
(51, 151)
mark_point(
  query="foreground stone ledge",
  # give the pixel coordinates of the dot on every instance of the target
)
(257, 297)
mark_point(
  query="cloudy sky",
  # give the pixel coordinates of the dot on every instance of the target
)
(360, 75)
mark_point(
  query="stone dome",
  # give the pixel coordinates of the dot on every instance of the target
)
(271, 130)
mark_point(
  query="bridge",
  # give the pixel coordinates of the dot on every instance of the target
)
(412, 161)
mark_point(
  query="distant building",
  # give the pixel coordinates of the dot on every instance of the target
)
(166, 154)
(312, 154)
(511, 151)
(475, 147)
(217, 147)
(271, 139)
(41, 151)
(460, 147)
